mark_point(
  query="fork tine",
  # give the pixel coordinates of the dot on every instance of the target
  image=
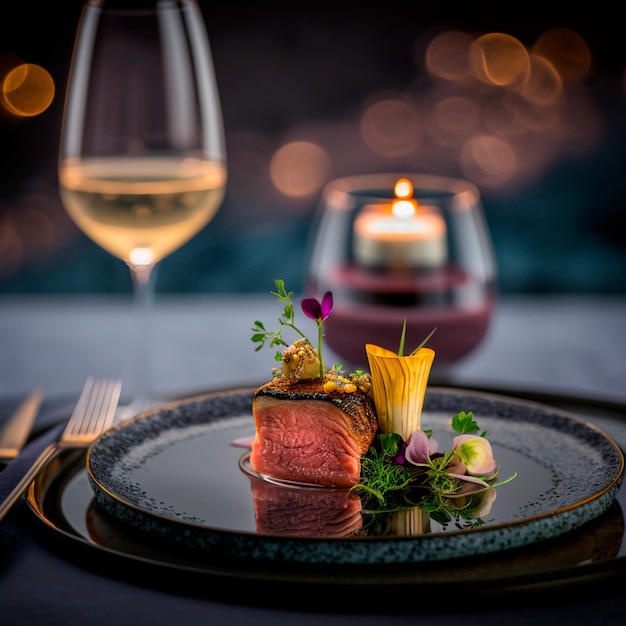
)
(95, 410)
(109, 400)
(80, 410)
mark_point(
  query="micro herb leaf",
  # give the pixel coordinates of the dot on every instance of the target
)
(505, 481)
(288, 315)
(402, 338)
(464, 423)
(432, 332)
(389, 443)
(275, 338)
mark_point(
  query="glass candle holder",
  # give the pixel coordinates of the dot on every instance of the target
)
(395, 247)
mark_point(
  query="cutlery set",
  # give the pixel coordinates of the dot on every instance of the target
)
(94, 413)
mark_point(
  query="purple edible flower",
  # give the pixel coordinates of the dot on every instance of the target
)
(316, 311)
(420, 448)
(400, 457)
(320, 313)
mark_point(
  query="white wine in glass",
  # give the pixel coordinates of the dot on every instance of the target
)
(142, 164)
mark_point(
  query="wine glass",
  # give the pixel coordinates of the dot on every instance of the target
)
(142, 164)
(394, 247)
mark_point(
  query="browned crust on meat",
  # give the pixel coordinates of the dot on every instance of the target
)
(357, 405)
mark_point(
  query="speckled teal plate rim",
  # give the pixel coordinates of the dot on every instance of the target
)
(585, 465)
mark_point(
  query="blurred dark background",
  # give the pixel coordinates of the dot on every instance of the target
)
(341, 89)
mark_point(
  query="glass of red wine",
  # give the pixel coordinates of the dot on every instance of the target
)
(393, 247)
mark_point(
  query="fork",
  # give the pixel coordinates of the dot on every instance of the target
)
(94, 413)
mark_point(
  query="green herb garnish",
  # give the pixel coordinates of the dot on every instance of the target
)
(287, 320)
(416, 350)
(390, 483)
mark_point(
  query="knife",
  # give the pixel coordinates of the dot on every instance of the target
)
(15, 431)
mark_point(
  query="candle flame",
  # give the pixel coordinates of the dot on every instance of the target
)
(404, 206)
(403, 188)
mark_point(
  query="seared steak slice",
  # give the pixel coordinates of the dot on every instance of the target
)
(309, 435)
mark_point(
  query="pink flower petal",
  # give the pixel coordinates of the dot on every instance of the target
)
(311, 308)
(419, 448)
(316, 311)
(476, 453)
(469, 479)
(243, 442)
(327, 305)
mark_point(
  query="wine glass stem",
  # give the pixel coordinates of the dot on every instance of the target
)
(143, 296)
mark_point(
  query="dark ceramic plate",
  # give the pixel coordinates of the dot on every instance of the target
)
(588, 560)
(173, 476)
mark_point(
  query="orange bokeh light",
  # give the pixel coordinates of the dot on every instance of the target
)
(391, 127)
(567, 51)
(447, 56)
(299, 168)
(499, 59)
(543, 85)
(27, 90)
(488, 160)
(452, 120)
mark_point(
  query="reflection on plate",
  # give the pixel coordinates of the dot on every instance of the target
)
(296, 510)
(63, 501)
(283, 507)
(172, 475)
(598, 540)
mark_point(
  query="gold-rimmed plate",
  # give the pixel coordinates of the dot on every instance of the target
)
(173, 475)
(71, 523)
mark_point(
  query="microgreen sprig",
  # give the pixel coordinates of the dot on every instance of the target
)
(275, 338)
(416, 350)
(318, 311)
(386, 482)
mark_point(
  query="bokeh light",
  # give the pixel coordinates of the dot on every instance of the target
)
(567, 51)
(498, 59)
(452, 120)
(26, 90)
(487, 107)
(543, 85)
(488, 160)
(489, 94)
(300, 168)
(391, 127)
(447, 56)
(32, 229)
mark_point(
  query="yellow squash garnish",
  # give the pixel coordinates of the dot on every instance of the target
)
(398, 388)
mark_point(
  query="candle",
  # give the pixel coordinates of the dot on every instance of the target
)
(400, 234)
